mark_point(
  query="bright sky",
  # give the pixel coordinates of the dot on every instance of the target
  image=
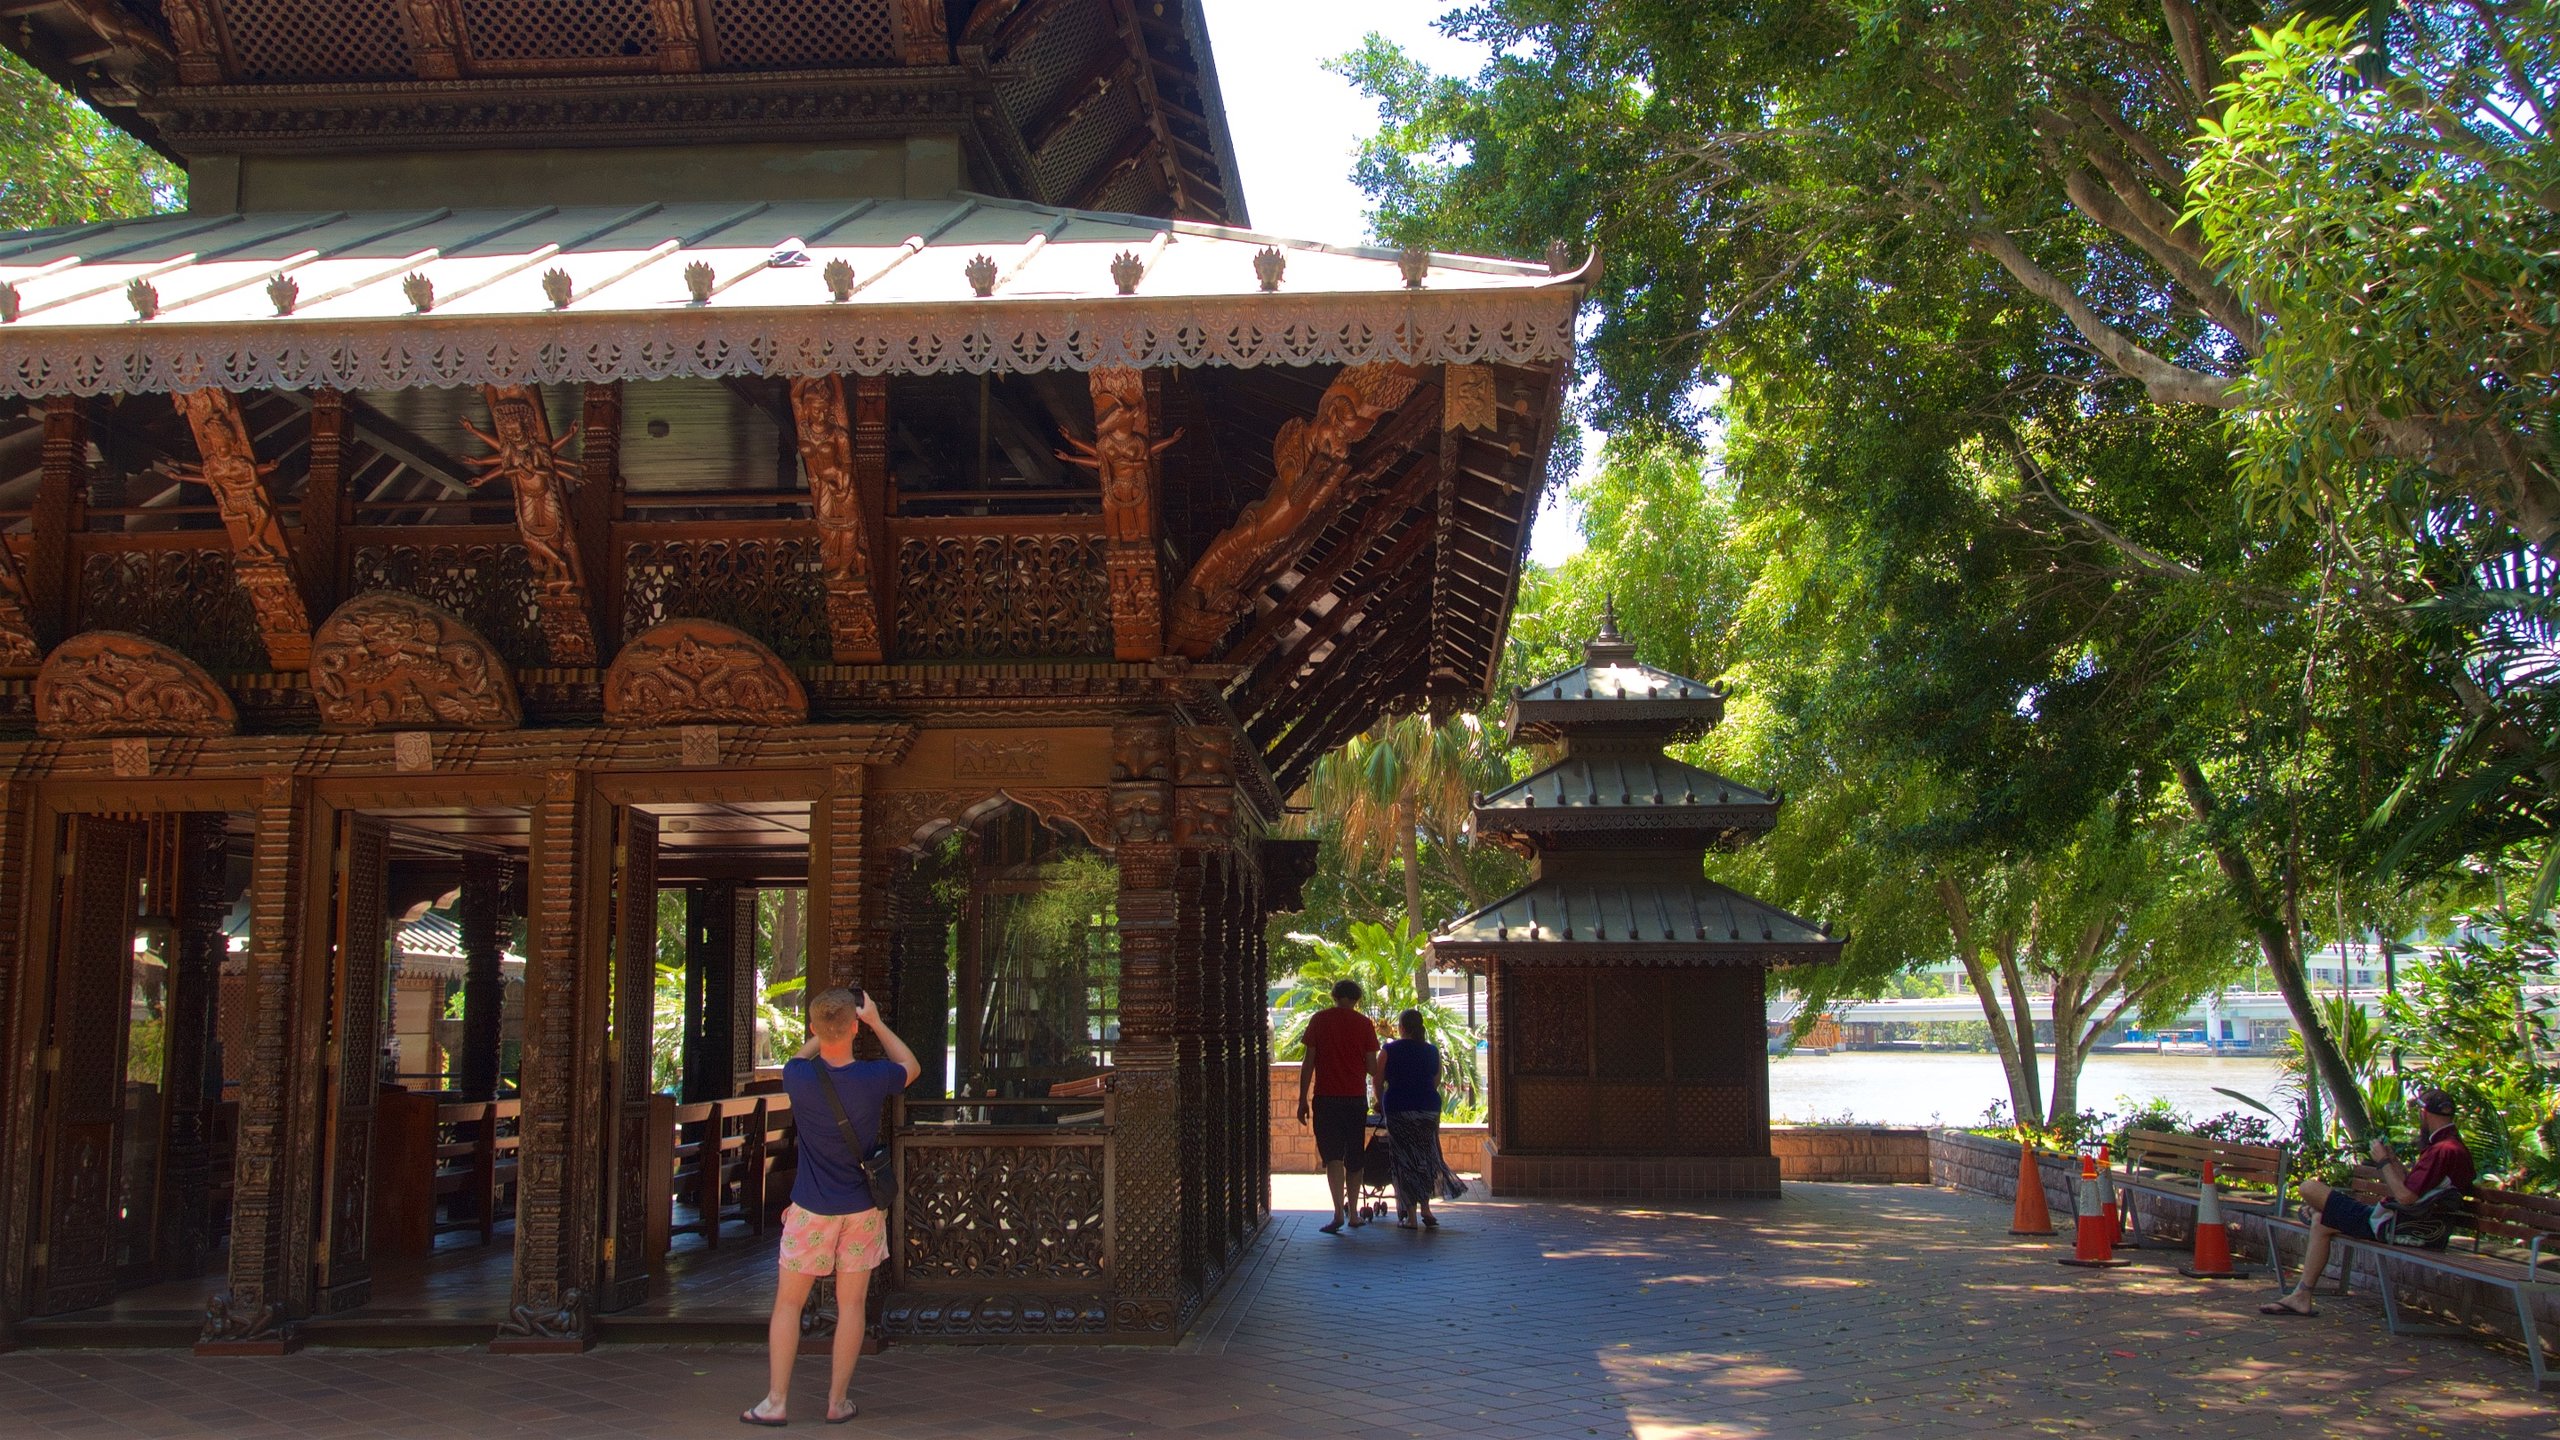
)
(1297, 126)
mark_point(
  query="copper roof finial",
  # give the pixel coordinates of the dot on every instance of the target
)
(981, 271)
(1605, 648)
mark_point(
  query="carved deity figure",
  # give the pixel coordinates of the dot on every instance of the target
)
(432, 23)
(261, 555)
(524, 452)
(1310, 460)
(1121, 453)
(828, 453)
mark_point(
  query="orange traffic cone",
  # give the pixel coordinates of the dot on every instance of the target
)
(2213, 1237)
(2031, 1216)
(2094, 1241)
(2107, 1195)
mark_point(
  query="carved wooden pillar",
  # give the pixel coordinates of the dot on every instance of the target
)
(64, 478)
(18, 1070)
(1122, 456)
(679, 36)
(325, 511)
(1192, 1058)
(276, 1156)
(484, 984)
(719, 989)
(1147, 1185)
(856, 948)
(561, 1138)
(193, 1075)
(596, 504)
(435, 37)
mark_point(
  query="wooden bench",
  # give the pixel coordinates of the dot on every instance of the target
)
(720, 1144)
(2165, 1166)
(2514, 1246)
(781, 1155)
(460, 1156)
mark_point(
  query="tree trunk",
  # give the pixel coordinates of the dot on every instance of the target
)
(790, 945)
(2284, 961)
(1409, 846)
(2017, 1062)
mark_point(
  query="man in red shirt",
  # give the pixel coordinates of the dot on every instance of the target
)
(1342, 1065)
(2442, 1159)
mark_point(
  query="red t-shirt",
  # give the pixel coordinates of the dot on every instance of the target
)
(2445, 1158)
(1339, 1043)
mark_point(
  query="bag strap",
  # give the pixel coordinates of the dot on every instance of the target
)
(844, 1119)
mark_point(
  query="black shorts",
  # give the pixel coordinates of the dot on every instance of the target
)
(2347, 1215)
(1341, 1123)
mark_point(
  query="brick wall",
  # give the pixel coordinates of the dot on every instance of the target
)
(1293, 1146)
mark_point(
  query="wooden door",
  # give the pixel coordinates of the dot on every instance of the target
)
(636, 1187)
(360, 936)
(84, 1062)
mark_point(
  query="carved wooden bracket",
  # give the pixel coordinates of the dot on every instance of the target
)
(108, 683)
(435, 37)
(920, 32)
(847, 458)
(199, 50)
(679, 37)
(525, 452)
(1123, 454)
(19, 649)
(261, 554)
(1310, 459)
(389, 661)
(699, 672)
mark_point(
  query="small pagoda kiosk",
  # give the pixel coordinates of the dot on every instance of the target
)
(1630, 1054)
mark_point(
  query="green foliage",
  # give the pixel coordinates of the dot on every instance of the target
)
(1386, 963)
(61, 164)
(2472, 1024)
(146, 1053)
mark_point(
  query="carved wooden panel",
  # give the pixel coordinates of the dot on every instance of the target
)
(295, 40)
(361, 940)
(1546, 1024)
(488, 585)
(844, 455)
(970, 596)
(1122, 454)
(696, 672)
(19, 647)
(388, 661)
(635, 978)
(93, 978)
(104, 682)
(1002, 1213)
(796, 34)
(188, 600)
(1629, 1004)
(261, 553)
(505, 36)
(1715, 1120)
(773, 588)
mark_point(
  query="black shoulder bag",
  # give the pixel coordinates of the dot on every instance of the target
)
(876, 1170)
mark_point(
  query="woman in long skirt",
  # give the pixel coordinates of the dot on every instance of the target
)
(1412, 1106)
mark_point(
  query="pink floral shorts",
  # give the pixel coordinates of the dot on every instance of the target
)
(824, 1244)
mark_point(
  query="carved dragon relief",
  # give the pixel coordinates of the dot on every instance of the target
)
(107, 683)
(1310, 459)
(526, 454)
(261, 555)
(1122, 453)
(700, 672)
(840, 452)
(388, 661)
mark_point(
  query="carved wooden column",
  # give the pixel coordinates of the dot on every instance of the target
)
(719, 990)
(1147, 1186)
(192, 1077)
(275, 1170)
(596, 504)
(61, 482)
(560, 1146)
(17, 1071)
(845, 455)
(841, 873)
(326, 509)
(1122, 455)
(484, 983)
(1192, 1058)
(528, 457)
(262, 558)
(921, 980)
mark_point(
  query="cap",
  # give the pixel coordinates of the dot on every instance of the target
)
(2435, 1101)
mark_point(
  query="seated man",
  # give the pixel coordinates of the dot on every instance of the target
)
(2442, 1157)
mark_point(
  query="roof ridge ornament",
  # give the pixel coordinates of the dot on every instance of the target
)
(143, 296)
(282, 292)
(698, 279)
(1415, 262)
(1605, 647)
(981, 271)
(1127, 270)
(1268, 266)
(558, 288)
(420, 290)
(839, 277)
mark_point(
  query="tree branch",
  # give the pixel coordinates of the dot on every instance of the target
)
(2167, 382)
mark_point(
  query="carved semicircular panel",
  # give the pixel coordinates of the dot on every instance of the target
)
(107, 682)
(391, 661)
(700, 672)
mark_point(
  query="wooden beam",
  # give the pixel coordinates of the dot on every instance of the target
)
(1097, 85)
(524, 453)
(846, 455)
(597, 503)
(1123, 454)
(1319, 581)
(324, 503)
(1312, 472)
(918, 31)
(1125, 20)
(1262, 692)
(262, 558)
(61, 481)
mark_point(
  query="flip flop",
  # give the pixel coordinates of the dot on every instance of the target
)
(2278, 1307)
(1333, 1229)
(850, 1411)
(749, 1416)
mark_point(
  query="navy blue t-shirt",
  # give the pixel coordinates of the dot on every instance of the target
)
(1413, 1075)
(830, 1180)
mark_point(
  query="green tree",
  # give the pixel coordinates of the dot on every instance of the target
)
(63, 164)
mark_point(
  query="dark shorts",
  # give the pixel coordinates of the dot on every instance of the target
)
(2347, 1215)
(1341, 1125)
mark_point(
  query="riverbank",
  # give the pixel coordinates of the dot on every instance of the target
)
(1955, 1088)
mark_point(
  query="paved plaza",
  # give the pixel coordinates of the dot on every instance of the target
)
(1841, 1310)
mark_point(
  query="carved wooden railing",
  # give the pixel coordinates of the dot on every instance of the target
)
(1003, 1196)
(174, 586)
(479, 572)
(761, 576)
(1001, 587)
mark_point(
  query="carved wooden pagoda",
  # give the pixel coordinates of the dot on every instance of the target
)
(573, 453)
(1626, 990)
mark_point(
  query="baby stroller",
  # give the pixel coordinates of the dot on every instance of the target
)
(1374, 1189)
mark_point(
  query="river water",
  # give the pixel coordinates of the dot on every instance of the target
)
(1886, 1087)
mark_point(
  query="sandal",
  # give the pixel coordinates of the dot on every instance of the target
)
(1430, 1221)
(850, 1410)
(1333, 1229)
(1404, 1222)
(749, 1416)
(2278, 1307)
